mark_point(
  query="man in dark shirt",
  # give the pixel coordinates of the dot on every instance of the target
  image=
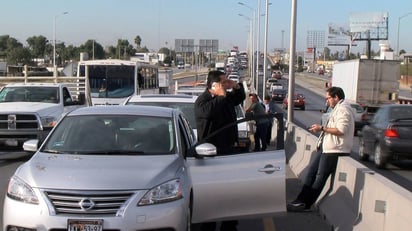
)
(214, 109)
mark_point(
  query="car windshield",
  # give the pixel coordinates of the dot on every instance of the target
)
(399, 113)
(112, 135)
(357, 108)
(187, 108)
(30, 94)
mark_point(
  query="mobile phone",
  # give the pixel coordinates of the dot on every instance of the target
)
(214, 86)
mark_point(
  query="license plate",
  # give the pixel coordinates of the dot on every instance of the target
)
(85, 225)
(13, 143)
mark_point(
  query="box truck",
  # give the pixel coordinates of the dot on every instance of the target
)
(371, 83)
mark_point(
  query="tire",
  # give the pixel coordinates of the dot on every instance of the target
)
(302, 108)
(362, 155)
(379, 157)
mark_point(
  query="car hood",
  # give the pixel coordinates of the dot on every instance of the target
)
(97, 172)
(29, 107)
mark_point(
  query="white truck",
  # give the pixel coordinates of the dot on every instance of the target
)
(371, 83)
(220, 66)
(30, 110)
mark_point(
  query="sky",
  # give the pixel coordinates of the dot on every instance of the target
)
(160, 22)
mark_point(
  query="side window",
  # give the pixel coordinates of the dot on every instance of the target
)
(66, 96)
(187, 137)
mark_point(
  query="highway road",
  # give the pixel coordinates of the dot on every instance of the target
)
(399, 172)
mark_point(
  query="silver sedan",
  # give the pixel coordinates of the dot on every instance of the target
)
(137, 168)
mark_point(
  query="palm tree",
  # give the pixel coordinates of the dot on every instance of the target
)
(138, 41)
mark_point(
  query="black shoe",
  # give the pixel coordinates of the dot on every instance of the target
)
(297, 206)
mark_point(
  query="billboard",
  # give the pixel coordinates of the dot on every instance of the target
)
(209, 45)
(338, 35)
(315, 39)
(369, 26)
(184, 45)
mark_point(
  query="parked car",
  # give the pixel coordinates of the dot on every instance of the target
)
(274, 86)
(298, 101)
(360, 115)
(137, 168)
(278, 95)
(186, 104)
(387, 136)
(270, 81)
(234, 77)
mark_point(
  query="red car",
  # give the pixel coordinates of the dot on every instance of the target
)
(298, 101)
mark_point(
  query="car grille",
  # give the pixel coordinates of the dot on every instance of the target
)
(19, 121)
(88, 202)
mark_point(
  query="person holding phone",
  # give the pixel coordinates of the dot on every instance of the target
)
(336, 139)
(214, 109)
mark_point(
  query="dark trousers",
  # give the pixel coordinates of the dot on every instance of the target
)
(269, 133)
(260, 136)
(320, 168)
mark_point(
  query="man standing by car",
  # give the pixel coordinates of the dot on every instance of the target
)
(214, 109)
(270, 108)
(261, 124)
(336, 139)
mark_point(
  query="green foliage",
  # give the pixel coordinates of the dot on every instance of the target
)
(37, 46)
(406, 69)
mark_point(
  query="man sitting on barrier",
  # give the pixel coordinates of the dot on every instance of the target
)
(336, 139)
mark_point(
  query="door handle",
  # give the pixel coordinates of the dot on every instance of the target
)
(269, 169)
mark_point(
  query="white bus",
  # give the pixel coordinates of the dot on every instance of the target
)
(112, 81)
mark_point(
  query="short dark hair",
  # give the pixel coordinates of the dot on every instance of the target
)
(336, 91)
(267, 97)
(213, 77)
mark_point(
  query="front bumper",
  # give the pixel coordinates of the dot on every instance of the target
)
(39, 217)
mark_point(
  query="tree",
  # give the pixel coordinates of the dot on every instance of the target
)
(124, 49)
(138, 41)
(37, 45)
(19, 56)
(98, 49)
(142, 50)
(402, 52)
(164, 50)
(326, 52)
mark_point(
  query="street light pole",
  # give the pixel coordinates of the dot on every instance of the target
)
(265, 48)
(399, 22)
(54, 43)
(254, 75)
(250, 49)
(292, 52)
(257, 48)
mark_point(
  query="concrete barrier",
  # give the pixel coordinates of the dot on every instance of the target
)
(340, 200)
(355, 198)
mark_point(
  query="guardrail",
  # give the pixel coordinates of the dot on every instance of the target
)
(355, 198)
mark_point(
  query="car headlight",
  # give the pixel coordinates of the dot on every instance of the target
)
(48, 121)
(242, 134)
(166, 192)
(19, 190)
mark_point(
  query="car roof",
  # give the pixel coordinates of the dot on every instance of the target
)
(33, 84)
(163, 98)
(124, 110)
